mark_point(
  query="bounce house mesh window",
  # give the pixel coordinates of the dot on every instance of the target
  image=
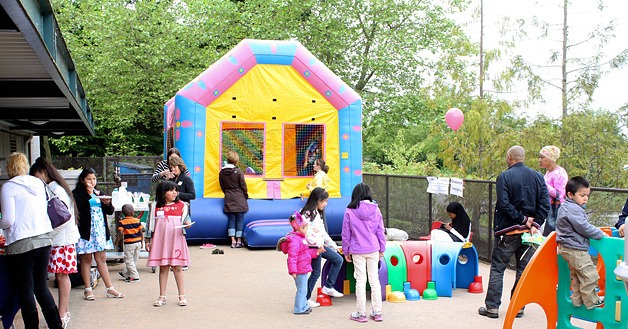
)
(246, 139)
(303, 144)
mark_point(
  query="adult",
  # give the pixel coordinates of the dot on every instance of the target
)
(621, 223)
(185, 184)
(459, 228)
(95, 239)
(555, 179)
(28, 241)
(63, 253)
(522, 206)
(317, 236)
(162, 172)
(234, 187)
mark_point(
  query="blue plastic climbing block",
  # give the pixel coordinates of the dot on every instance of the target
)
(466, 267)
(444, 259)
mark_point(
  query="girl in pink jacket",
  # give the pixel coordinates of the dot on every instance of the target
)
(299, 261)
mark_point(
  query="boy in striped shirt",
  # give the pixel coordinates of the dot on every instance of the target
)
(132, 231)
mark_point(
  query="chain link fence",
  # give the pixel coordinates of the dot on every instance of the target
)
(406, 205)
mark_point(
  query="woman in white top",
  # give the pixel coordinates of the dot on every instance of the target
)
(27, 229)
(314, 211)
(63, 253)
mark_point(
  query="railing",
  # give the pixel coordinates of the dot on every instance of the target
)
(406, 205)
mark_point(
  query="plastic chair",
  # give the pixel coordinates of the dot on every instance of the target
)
(435, 225)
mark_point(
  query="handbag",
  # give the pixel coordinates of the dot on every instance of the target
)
(58, 211)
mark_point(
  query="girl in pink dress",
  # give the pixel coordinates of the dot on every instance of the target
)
(166, 245)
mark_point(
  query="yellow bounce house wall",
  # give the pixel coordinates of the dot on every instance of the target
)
(266, 92)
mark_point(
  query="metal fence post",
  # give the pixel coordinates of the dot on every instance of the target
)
(429, 213)
(387, 202)
(490, 221)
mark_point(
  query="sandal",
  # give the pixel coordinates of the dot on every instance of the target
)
(89, 294)
(160, 301)
(114, 293)
(183, 302)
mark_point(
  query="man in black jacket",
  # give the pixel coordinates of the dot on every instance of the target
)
(522, 205)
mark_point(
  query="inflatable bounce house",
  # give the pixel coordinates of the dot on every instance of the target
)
(548, 272)
(280, 109)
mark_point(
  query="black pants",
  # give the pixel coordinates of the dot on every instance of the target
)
(29, 275)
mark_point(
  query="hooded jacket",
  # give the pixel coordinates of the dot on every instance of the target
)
(299, 254)
(234, 187)
(24, 208)
(363, 230)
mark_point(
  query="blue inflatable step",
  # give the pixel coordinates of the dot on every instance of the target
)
(264, 233)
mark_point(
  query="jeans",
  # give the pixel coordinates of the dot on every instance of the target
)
(29, 274)
(336, 263)
(236, 224)
(300, 301)
(131, 255)
(367, 264)
(504, 246)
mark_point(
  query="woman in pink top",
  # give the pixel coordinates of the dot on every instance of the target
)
(555, 180)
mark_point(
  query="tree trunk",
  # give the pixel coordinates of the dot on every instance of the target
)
(46, 145)
(564, 60)
(482, 49)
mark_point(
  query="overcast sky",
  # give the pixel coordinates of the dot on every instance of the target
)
(583, 17)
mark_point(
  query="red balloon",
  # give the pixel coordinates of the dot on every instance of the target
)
(454, 118)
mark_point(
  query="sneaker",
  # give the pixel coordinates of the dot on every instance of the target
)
(132, 279)
(331, 292)
(313, 304)
(208, 246)
(308, 311)
(488, 312)
(359, 317)
(376, 316)
(183, 268)
(599, 303)
(122, 277)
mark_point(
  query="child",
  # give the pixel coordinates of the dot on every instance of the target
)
(299, 261)
(363, 242)
(168, 248)
(317, 236)
(131, 229)
(320, 178)
(573, 232)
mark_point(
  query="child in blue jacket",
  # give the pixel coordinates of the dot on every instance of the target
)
(363, 243)
(299, 261)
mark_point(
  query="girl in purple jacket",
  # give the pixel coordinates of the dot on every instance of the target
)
(363, 243)
(299, 261)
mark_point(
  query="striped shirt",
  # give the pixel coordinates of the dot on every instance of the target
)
(131, 228)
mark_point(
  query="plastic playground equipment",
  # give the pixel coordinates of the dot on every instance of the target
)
(549, 274)
(279, 108)
(407, 271)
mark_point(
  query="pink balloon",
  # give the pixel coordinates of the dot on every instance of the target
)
(454, 118)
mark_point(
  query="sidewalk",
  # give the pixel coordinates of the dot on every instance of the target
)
(251, 289)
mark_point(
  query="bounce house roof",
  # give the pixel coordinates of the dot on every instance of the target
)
(220, 76)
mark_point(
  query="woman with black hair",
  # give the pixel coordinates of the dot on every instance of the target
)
(314, 211)
(95, 238)
(459, 228)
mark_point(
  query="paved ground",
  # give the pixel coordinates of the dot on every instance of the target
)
(251, 289)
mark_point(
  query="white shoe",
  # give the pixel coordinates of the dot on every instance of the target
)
(313, 304)
(331, 292)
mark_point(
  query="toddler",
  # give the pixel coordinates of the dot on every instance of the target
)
(131, 230)
(299, 261)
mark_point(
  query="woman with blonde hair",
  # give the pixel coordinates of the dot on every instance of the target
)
(28, 240)
(555, 179)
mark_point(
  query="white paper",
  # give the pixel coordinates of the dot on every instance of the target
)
(438, 185)
(456, 186)
(443, 185)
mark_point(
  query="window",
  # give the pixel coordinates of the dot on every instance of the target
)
(303, 144)
(246, 139)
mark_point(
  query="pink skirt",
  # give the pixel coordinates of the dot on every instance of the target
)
(168, 245)
(62, 260)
